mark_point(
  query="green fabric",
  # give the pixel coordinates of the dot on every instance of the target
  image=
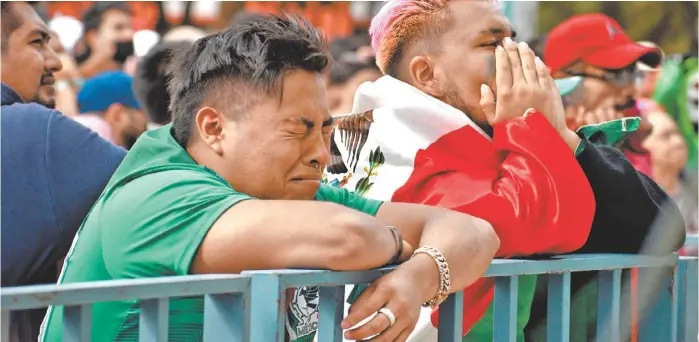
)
(610, 133)
(149, 222)
(483, 330)
(671, 91)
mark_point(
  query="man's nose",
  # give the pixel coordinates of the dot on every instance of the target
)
(627, 91)
(321, 151)
(128, 33)
(51, 62)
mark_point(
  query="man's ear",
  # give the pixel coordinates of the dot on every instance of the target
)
(210, 123)
(114, 115)
(90, 38)
(423, 76)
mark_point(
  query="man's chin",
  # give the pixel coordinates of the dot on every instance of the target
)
(302, 190)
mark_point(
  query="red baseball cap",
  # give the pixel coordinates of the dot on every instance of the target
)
(598, 40)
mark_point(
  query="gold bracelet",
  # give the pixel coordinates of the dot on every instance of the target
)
(444, 276)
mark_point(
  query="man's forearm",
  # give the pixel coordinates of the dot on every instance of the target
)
(468, 243)
(257, 234)
(571, 139)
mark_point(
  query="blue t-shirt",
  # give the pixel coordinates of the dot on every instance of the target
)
(53, 170)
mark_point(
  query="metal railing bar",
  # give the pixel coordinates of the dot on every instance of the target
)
(674, 304)
(222, 317)
(305, 277)
(268, 308)
(656, 290)
(609, 306)
(451, 315)
(41, 296)
(558, 303)
(77, 323)
(331, 311)
(505, 309)
(153, 320)
(688, 288)
(498, 268)
(5, 325)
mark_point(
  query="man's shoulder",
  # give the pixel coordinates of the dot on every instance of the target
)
(19, 115)
(160, 186)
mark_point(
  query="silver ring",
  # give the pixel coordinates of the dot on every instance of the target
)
(389, 314)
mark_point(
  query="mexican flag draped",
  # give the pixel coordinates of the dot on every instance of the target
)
(402, 145)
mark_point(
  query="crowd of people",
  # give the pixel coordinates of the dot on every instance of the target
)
(433, 140)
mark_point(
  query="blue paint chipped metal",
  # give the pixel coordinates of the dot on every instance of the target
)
(251, 306)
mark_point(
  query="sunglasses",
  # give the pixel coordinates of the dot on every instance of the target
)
(617, 78)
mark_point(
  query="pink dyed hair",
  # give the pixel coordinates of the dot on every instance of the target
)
(402, 21)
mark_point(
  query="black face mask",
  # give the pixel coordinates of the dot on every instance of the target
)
(81, 51)
(123, 51)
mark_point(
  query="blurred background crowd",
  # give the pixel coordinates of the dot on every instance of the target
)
(114, 55)
(114, 58)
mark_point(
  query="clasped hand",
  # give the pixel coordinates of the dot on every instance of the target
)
(522, 82)
(403, 292)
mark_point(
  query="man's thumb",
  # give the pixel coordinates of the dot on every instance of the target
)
(487, 103)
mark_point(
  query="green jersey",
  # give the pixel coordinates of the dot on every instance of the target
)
(149, 222)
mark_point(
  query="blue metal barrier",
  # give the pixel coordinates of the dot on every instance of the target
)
(225, 309)
(250, 307)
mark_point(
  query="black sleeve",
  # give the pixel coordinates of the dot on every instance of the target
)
(629, 207)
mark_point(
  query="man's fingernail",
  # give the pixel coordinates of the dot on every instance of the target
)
(523, 45)
(484, 89)
(344, 325)
(538, 61)
(507, 40)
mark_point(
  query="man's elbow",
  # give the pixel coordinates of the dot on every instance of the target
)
(483, 247)
(489, 241)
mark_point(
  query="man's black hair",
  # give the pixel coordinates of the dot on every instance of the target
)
(93, 16)
(251, 57)
(150, 80)
(9, 21)
(342, 71)
(340, 46)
